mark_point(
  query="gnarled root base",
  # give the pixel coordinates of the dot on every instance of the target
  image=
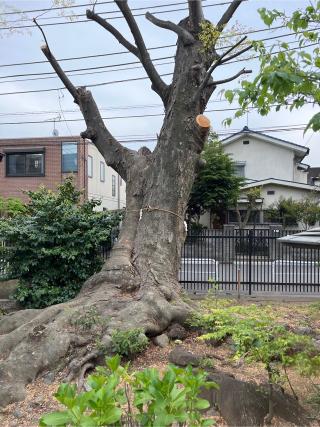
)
(33, 341)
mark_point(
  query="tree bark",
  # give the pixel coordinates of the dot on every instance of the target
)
(138, 285)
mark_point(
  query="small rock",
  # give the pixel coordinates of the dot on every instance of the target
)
(161, 340)
(17, 413)
(317, 344)
(48, 378)
(303, 330)
(182, 357)
(36, 403)
(177, 332)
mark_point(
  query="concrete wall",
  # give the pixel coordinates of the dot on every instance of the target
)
(264, 160)
(98, 189)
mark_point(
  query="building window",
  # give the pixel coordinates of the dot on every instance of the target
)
(90, 166)
(69, 157)
(113, 186)
(254, 217)
(246, 142)
(25, 164)
(102, 172)
(239, 169)
(270, 192)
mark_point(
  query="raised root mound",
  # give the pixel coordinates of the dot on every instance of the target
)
(32, 341)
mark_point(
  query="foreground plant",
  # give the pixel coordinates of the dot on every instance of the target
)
(257, 338)
(146, 398)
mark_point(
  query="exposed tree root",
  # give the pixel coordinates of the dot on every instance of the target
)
(33, 341)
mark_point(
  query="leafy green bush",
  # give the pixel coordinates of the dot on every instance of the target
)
(146, 398)
(55, 247)
(10, 207)
(257, 338)
(130, 342)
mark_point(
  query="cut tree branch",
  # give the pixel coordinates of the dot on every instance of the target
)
(158, 85)
(229, 79)
(125, 43)
(195, 14)
(186, 37)
(228, 14)
(115, 155)
(219, 61)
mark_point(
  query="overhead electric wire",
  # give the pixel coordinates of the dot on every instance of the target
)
(75, 6)
(120, 117)
(111, 17)
(128, 79)
(136, 62)
(125, 52)
(156, 6)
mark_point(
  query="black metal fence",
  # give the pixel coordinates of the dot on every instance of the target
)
(248, 261)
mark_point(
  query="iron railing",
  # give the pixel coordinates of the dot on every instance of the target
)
(249, 261)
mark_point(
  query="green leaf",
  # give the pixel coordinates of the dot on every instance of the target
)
(56, 419)
(202, 404)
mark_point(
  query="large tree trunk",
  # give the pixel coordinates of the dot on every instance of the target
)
(138, 285)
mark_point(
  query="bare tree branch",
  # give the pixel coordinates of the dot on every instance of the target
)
(235, 55)
(125, 43)
(186, 37)
(61, 74)
(228, 14)
(195, 14)
(215, 65)
(115, 155)
(158, 84)
(229, 79)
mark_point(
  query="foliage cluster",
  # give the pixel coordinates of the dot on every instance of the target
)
(10, 207)
(287, 78)
(130, 342)
(258, 338)
(118, 397)
(216, 186)
(56, 246)
(290, 212)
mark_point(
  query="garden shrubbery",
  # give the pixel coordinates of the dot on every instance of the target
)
(119, 397)
(55, 244)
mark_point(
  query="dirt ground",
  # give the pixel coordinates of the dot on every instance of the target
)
(39, 399)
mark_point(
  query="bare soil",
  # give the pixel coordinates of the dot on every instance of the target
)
(40, 400)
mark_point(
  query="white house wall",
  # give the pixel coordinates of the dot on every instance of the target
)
(262, 159)
(281, 192)
(103, 190)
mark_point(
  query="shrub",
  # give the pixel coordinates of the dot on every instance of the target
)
(56, 246)
(146, 398)
(10, 207)
(257, 338)
(130, 342)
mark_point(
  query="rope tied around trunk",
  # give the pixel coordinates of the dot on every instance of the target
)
(152, 209)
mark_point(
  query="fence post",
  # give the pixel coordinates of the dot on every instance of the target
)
(250, 259)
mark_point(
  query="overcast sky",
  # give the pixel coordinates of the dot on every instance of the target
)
(129, 98)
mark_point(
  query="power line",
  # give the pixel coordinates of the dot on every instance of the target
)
(129, 80)
(17, 64)
(131, 62)
(136, 116)
(109, 18)
(102, 13)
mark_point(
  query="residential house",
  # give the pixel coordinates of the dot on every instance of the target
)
(27, 163)
(273, 165)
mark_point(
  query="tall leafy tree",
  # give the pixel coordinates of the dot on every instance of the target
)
(288, 77)
(137, 286)
(216, 187)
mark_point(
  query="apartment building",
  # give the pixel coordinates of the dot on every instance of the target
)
(27, 163)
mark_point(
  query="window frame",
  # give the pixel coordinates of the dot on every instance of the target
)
(102, 169)
(25, 153)
(91, 164)
(69, 143)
